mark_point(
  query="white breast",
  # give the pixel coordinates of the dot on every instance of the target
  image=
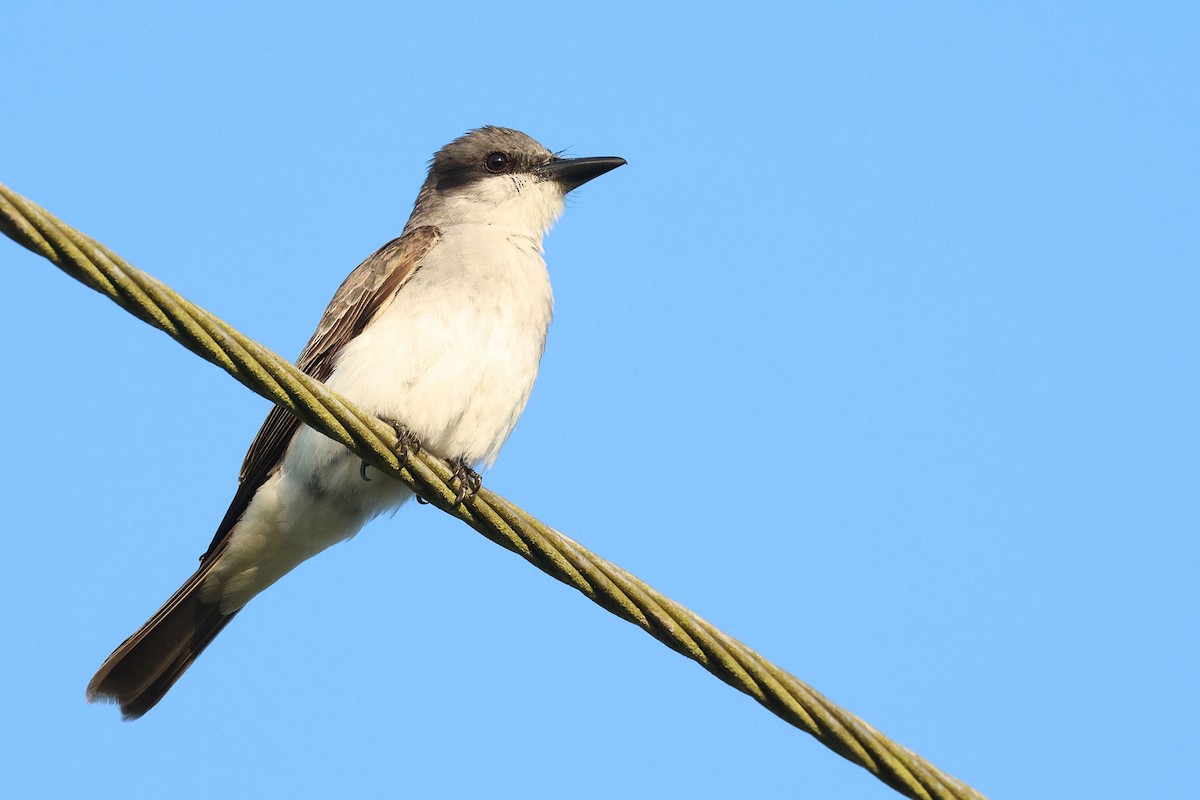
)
(455, 355)
(453, 358)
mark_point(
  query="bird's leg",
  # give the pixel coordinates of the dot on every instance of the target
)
(407, 444)
(468, 480)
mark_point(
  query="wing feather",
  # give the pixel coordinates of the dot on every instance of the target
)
(366, 292)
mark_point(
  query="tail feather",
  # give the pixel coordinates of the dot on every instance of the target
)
(148, 663)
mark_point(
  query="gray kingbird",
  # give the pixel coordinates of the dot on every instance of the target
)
(440, 331)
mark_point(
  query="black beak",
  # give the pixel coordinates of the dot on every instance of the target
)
(571, 173)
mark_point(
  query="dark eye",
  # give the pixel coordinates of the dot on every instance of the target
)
(496, 162)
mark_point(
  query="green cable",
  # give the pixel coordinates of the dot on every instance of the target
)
(606, 584)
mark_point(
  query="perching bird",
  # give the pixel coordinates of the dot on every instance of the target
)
(439, 331)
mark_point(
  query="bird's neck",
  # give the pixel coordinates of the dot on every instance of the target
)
(527, 215)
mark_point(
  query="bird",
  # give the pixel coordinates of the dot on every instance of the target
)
(439, 332)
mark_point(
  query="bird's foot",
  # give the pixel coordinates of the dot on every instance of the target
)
(468, 481)
(407, 445)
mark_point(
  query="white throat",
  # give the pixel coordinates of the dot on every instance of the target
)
(516, 204)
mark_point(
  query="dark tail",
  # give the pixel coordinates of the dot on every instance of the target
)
(147, 664)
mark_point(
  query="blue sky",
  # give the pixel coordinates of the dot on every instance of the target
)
(880, 354)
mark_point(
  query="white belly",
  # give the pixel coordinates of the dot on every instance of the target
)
(453, 358)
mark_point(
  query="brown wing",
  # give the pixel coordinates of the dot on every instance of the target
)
(366, 291)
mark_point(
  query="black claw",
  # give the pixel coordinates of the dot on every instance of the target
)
(469, 481)
(407, 443)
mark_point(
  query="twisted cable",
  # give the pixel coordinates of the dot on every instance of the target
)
(606, 584)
